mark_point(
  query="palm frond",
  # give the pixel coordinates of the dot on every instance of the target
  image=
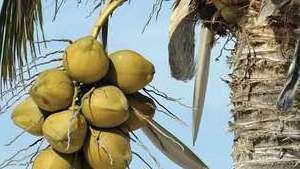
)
(172, 147)
(20, 23)
(185, 15)
(181, 42)
(201, 80)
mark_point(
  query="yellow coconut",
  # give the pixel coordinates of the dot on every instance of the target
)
(130, 71)
(142, 108)
(29, 117)
(65, 132)
(86, 61)
(107, 149)
(50, 159)
(106, 107)
(53, 90)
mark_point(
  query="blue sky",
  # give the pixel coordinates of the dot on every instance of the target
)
(214, 142)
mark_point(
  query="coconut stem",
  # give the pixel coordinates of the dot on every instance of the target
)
(74, 98)
(87, 94)
(108, 10)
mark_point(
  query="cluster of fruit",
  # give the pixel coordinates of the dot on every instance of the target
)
(86, 110)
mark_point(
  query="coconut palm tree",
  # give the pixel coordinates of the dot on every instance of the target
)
(264, 136)
(263, 31)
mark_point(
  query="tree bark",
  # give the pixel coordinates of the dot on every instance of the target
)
(264, 137)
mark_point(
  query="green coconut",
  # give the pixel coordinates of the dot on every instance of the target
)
(107, 149)
(65, 131)
(29, 117)
(106, 107)
(53, 90)
(130, 71)
(50, 159)
(142, 109)
(85, 60)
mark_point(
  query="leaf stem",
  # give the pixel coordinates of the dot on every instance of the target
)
(108, 10)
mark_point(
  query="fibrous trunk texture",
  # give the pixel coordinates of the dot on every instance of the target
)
(265, 138)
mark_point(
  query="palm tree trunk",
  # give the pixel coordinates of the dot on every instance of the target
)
(264, 137)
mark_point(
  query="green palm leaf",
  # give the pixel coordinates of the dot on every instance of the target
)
(19, 23)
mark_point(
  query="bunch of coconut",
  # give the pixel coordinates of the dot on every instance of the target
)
(86, 110)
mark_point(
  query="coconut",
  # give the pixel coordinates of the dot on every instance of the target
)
(53, 90)
(29, 117)
(50, 159)
(142, 109)
(130, 71)
(107, 149)
(86, 61)
(106, 107)
(65, 131)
